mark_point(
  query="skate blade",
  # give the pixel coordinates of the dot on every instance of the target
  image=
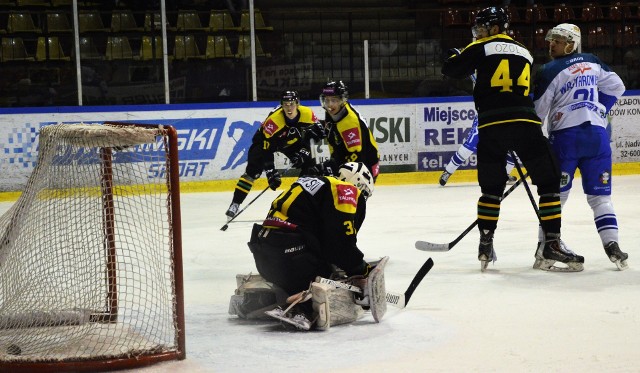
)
(548, 265)
(621, 264)
(483, 265)
(288, 322)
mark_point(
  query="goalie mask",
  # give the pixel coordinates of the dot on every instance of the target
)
(359, 175)
(568, 33)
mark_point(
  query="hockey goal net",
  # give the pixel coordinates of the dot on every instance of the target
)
(90, 254)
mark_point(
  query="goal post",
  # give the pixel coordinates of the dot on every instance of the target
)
(91, 253)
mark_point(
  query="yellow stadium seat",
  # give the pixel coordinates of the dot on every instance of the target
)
(147, 49)
(218, 47)
(244, 47)
(221, 20)
(21, 22)
(186, 48)
(55, 49)
(13, 49)
(118, 48)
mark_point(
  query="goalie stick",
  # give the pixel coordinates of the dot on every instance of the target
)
(429, 246)
(399, 300)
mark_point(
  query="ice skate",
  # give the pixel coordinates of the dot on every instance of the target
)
(232, 211)
(486, 253)
(291, 319)
(444, 178)
(554, 250)
(616, 256)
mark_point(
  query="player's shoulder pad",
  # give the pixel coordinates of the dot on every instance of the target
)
(274, 123)
(311, 184)
(345, 195)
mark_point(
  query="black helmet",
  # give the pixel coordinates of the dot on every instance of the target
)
(335, 89)
(490, 16)
(289, 96)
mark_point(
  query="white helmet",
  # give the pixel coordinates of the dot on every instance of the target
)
(357, 174)
(567, 32)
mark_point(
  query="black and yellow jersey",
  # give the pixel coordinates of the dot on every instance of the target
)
(280, 134)
(503, 79)
(326, 209)
(350, 140)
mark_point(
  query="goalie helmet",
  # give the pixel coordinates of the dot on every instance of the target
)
(357, 174)
(490, 16)
(566, 32)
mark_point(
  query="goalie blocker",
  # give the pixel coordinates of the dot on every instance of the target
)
(333, 303)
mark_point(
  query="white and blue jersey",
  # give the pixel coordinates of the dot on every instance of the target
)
(575, 89)
(573, 95)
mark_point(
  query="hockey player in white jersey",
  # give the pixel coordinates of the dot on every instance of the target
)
(468, 147)
(573, 93)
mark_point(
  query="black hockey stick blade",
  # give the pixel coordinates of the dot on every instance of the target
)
(426, 267)
(429, 246)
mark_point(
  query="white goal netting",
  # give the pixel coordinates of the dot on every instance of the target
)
(87, 268)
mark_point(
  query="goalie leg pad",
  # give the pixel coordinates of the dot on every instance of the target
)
(376, 291)
(334, 306)
(254, 296)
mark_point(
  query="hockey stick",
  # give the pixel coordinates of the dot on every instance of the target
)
(399, 300)
(526, 185)
(224, 227)
(429, 246)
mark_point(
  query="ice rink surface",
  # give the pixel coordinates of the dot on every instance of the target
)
(510, 318)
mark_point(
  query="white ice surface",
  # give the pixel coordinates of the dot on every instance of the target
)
(511, 318)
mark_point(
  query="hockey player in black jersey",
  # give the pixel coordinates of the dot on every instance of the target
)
(310, 230)
(507, 121)
(288, 130)
(348, 136)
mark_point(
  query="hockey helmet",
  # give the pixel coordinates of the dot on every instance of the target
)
(289, 96)
(490, 16)
(357, 174)
(334, 89)
(566, 32)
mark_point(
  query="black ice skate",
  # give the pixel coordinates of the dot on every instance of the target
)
(444, 178)
(486, 253)
(616, 255)
(554, 250)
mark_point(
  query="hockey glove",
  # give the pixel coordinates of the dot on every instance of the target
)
(316, 131)
(300, 158)
(273, 177)
(453, 52)
(326, 168)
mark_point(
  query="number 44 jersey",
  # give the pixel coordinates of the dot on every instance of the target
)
(503, 83)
